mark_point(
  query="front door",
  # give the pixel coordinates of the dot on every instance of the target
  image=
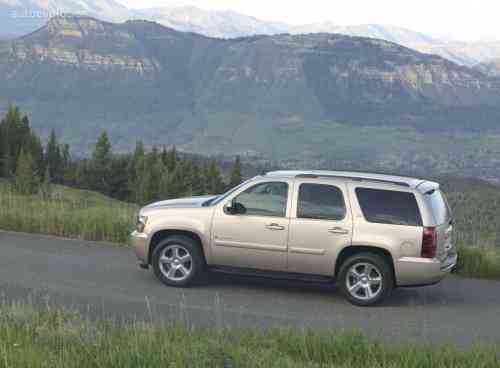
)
(254, 236)
(320, 226)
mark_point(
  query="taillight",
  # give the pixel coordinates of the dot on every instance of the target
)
(429, 242)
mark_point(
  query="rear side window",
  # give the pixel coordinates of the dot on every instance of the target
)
(440, 208)
(322, 202)
(389, 207)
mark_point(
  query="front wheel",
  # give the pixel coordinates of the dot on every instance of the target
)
(178, 261)
(365, 279)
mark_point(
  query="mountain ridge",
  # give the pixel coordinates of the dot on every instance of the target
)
(229, 24)
(264, 95)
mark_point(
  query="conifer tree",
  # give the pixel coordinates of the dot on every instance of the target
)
(236, 177)
(171, 159)
(53, 157)
(26, 178)
(101, 165)
(198, 180)
(46, 186)
(135, 172)
(214, 180)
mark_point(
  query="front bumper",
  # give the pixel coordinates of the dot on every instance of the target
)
(140, 243)
(413, 271)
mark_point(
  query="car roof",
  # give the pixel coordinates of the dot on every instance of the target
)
(353, 175)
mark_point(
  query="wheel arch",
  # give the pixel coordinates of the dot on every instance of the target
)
(162, 234)
(351, 250)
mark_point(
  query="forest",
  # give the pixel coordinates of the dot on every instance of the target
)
(139, 177)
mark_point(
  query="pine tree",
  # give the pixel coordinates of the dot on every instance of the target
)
(164, 155)
(26, 178)
(198, 180)
(101, 165)
(53, 157)
(214, 180)
(157, 170)
(236, 177)
(46, 186)
(171, 159)
(135, 173)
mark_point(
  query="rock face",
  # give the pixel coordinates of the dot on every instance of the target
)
(20, 17)
(140, 80)
(491, 68)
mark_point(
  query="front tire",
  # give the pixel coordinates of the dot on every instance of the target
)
(178, 261)
(365, 279)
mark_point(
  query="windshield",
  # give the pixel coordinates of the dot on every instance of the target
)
(221, 197)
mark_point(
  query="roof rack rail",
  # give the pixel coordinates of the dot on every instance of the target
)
(382, 181)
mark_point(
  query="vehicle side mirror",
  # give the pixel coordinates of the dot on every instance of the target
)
(229, 208)
(234, 208)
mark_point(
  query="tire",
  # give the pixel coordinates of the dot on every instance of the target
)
(178, 261)
(370, 277)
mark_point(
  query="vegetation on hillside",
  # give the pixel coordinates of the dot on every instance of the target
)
(66, 212)
(139, 177)
(51, 338)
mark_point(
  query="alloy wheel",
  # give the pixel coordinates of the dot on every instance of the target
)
(364, 281)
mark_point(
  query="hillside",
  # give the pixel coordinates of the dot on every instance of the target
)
(19, 17)
(140, 79)
(491, 67)
(69, 212)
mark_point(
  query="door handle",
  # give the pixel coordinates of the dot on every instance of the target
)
(338, 230)
(275, 227)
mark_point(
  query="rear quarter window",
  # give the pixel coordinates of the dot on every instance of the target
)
(389, 207)
(439, 206)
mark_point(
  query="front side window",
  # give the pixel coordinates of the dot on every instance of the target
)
(389, 207)
(321, 202)
(266, 199)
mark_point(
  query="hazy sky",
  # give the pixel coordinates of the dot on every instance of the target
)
(461, 19)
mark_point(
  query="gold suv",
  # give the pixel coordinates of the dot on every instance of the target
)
(367, 232)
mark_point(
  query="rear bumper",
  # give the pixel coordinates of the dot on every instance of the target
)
(413, 271)
(141, 246)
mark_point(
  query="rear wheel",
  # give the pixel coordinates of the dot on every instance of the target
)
(365, 279)
(178, 261)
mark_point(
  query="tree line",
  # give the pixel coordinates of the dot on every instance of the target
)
(141, 176)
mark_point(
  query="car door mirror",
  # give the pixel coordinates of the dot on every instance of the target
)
(229, 208)
(234, 208)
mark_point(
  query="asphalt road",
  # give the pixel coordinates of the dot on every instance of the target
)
(103, 281)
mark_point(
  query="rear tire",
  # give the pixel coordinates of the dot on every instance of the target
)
(178, 261)
(365, 279)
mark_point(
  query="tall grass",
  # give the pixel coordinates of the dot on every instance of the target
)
(482, 262)
(67, 213)
(51, 338)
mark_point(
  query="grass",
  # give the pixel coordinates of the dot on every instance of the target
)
(479, 262)
(53, 338)
(68, 212)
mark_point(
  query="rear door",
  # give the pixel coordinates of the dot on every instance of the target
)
(320, 226)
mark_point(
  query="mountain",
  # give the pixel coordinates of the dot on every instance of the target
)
(19, 17)
(460, 52)
(222, 24)
(491, 67)
(284, 95)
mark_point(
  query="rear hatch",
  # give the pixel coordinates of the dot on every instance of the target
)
(444, 222)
